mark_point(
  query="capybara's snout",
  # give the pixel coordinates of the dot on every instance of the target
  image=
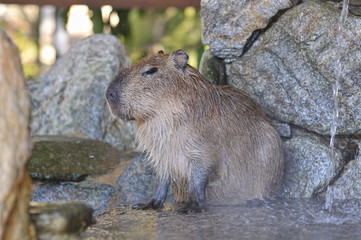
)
(111, 95)
(113, 98)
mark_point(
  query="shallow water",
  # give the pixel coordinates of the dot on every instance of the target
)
(272, 219)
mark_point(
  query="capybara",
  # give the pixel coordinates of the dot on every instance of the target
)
(211, 143)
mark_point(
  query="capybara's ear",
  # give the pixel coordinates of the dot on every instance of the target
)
(180, 59)
(160, 52)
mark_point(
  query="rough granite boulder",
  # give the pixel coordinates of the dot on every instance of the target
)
(291, 70)
(213, 68)
(348, 185)
(308, 167)
(227, 26)
(15, 145)
(69, 99)
(138, 182)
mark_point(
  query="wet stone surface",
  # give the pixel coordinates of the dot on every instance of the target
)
(75, 169)
(273, 219)
(60, 158)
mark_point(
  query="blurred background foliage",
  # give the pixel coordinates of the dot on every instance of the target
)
(143, 32)
(146, 32)
(21, 24)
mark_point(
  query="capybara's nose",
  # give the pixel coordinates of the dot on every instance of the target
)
(111, 95)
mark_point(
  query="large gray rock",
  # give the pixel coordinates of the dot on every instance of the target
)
(69, 99)
(308, 167)
(138, 182)
(227, 25)
(60, 220)
(291, 70)
(15, 145)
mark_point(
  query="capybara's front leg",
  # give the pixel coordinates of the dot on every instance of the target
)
(197, 190)
(158, 198)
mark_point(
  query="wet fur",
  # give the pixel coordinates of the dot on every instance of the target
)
(199, 135)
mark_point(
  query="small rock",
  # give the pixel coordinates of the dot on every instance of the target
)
(213, 68)
(60, 220)
(283, 129)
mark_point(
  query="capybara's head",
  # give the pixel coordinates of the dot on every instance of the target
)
(140, 91)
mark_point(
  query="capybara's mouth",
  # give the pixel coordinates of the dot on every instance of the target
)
(117, 113)
(114, 105)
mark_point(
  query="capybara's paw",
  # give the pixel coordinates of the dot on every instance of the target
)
(189, 209)
(147, 206)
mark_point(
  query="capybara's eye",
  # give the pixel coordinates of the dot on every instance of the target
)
(150, 71)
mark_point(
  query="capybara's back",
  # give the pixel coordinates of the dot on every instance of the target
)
(210, 143)
(246, 149)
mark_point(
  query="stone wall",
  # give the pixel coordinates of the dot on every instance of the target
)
(284, 58)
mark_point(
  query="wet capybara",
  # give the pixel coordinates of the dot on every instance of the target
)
(211, 143)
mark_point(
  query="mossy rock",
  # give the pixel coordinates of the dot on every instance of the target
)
(60, 158)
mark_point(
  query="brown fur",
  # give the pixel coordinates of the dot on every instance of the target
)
(188, 126)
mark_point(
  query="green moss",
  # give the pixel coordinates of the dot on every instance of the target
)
(70, 159)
